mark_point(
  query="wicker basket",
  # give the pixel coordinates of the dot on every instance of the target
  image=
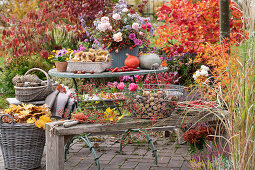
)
(22, 145)
(26, 94)
(155, 100)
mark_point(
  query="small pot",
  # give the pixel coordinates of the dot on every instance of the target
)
(61, 66)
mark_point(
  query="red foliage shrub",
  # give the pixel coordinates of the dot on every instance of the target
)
(190, 25)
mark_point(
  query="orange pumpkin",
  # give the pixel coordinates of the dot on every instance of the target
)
(131, 61)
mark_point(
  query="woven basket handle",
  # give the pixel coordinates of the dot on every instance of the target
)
(46, 74)
(1, 121)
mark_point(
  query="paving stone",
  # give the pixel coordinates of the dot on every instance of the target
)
(106, 157)
(176, 163)
(163, 160)
(185, 166)
(143, 160)
(159, 168)
(177, 158)
(129, 164)
(117, 161)
(173, 168)
(140, 152)
(143, 166)
(93, 168)
(181, 151)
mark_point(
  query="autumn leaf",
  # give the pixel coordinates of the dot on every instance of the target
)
(31, 120)
(42, 121)
(164, 63)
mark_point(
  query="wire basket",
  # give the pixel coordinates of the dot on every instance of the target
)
(155, 100)
(22, 144)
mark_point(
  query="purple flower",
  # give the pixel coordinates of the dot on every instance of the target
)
(96, 42)
(132, 36)
(63, 51)
(138, 42)
(115, 84)
(59, 54)
(82, 48)
(109, 84)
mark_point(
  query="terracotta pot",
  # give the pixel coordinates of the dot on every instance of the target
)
(61, 66)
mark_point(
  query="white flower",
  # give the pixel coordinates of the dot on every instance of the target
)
(140, 33)
(125, 10)
(117, 37)
(203, 73)
(104, 19)
(104, 26)
(203, 67)
(135, 26)
(194, 76)
(197, 73)
(116, 16)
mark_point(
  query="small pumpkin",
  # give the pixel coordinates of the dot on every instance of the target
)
(131, 61)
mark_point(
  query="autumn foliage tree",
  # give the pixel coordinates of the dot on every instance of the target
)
(193, 24)
(29, 35)
(193, 27)
(19, 7)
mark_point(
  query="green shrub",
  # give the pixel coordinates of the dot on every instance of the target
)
(19, 66)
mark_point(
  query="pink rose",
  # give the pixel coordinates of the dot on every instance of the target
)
(121, 86)
(132, 87)
(144, 27)
(116, 16)
(148, 25)
(135, 26)
(104, 19)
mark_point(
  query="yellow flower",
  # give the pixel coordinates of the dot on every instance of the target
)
(54, 51)
(110, 114)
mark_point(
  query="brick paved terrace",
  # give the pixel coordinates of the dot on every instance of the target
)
(137, 155)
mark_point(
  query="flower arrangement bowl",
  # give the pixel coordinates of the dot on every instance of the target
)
(22, 144)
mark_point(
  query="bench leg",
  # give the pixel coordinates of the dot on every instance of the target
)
(149, 140)
(54, 151)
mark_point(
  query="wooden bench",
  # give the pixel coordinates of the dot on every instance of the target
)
(57, 136)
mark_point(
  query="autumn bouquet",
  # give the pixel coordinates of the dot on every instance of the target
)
(123, 28)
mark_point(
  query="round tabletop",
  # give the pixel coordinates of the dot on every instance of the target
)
(54, 72)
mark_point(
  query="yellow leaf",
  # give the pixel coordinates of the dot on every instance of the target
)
(45, 118)
(120, 117)
(40, 124)
(42, 120)
(31, 120)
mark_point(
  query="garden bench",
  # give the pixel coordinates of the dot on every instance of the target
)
(58, 136)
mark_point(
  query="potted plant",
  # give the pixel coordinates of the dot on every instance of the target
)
(122, 32)
(60, 59)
